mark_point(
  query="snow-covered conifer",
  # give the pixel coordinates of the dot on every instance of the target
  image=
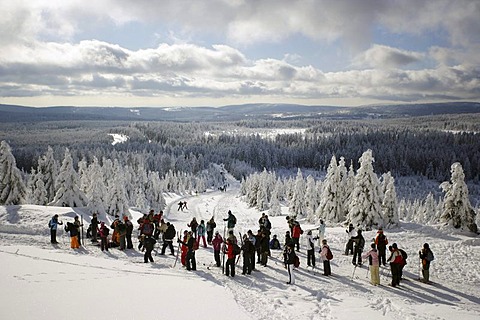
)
(311, 198)
(457, 210)
(12, 188)
(297, 204)
(117, 201)
(275, 208)
(154, 191)
(68, 193)
(366, 202)
(389, 204)
(48, 168)
(96, 190)
(331, 206)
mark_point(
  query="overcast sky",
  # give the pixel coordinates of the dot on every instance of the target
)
(218, 52)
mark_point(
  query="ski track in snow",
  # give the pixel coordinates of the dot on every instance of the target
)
(264, 294)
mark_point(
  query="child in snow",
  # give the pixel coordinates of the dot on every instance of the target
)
(289, 262)
(374, 265)
(321, 232)
(103, 233)
(350, 234)
(359, 242)
(183, 257)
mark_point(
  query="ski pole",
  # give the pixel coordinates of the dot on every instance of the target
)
(83, 241)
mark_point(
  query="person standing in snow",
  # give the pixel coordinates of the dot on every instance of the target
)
(426, 256)
(274, 243)
(396, 262)
(53, 224)
(184, 249)
(121, 229)
(129, 231)
(374, 265)
(264, 248)
(327, 271)
(230, 264)
(94, 224)
(78, 225)
(190, 258)
(248, 250)
(253, 240)
(321, 232)
(168, 237)
(297, 231)
(103, 233)
(193, 225)
(359, 242)
(350, 234)
(381, 242)
(149, 243)
(201, 234)
(289, 262)
(231, 221)
(217, 246)
(211, 225)
(310, 249)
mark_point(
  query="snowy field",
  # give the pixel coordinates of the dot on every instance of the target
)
(41, 281)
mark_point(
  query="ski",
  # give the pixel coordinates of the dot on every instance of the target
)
(241, 241)
(179, 250)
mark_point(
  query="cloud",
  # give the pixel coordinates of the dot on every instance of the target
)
(379, 56)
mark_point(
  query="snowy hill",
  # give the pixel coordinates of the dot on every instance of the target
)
(41, 281)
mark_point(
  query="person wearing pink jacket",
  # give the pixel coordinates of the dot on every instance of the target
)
(374, 265)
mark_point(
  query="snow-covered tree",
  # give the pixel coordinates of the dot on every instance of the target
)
(36, 192)
(96, 190)
(117, 201)
(48, 168)
(12, 187)
(366, 201)
(275, 208)
(297, 204)
(457, 210)
(331, 205)
(68, 193)
(389, 204)
(312, 198)
(153, 192)
(429, 212)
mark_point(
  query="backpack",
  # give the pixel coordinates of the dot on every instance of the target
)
(67, 227)
(429, 256)
(329, 255)
(236, 249)
(106, 231)
(50, 224)
(195, 244)
(234, 219)
(296, 261)
(404, 254)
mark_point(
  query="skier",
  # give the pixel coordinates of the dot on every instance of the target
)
(129, 231)
(396, 262)
(94, 224)
(350, 233)
(180, 206)
(326, 256)
(426, 256)
(248, 250)
(381, 241)
(359, 241)
(103, 233)
(297, 231)
(274, 243)
(168, 237)
(310, 249)
(231, 221)
(149, 243)
(373, 259)
(53, 224)
(217, 245)
(321, 232)
(211, 225)
(289, 262)
(201, 234)
(230, 264)
(184, 205)
(190, 258)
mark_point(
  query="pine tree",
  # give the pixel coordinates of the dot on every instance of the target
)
(96, 190)
(331, 205)
(389, 204)
(311, 198)
(457, 210)
(48, 168)
(12, 187)
(68, 193)
(297, 204)
(365, 206)
(117, 201)
(275, 208)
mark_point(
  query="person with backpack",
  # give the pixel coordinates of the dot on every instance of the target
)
(201, 234)
(121, 230)
(396, 262)
(404, 263)
(359, 242)
(211, 225)
(289, 257)
(374, 264)
(230, 264)
(248, 250)
(275, 244)
(426, 256)
(231, 221)
(321, 232)
(168, 237)
(146, 230)
(115, 235)
(193, 225)
(264, 248)
(217, 246)
(149, 243)
(72, 228)
(381, 242)
(129, 231)
(103, 232)
(53, 225)
(78, 225)
(326, 255)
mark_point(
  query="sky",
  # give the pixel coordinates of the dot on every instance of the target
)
(219, 52)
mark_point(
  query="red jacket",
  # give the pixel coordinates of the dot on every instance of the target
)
(297, 231)
(230, 254)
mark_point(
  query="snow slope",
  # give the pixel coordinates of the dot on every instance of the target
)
(41, 281)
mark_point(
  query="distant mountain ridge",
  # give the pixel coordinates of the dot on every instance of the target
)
(16, 113)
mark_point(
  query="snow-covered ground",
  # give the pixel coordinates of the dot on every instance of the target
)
(41, 281)
(118, 138)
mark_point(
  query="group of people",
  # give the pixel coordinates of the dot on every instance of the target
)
(152, 226)
(182, 205)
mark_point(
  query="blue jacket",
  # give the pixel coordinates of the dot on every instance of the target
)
(54, 223)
